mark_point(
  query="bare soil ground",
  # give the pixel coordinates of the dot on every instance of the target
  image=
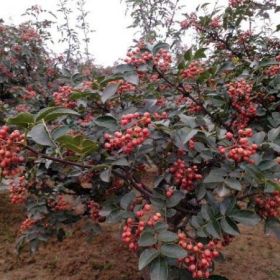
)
(251, 256)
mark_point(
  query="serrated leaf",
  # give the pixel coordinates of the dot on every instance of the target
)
(146, 257)
(273, 134)
(52, 113)
(183, 135)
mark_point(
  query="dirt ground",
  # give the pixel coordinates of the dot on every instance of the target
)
(252, 256)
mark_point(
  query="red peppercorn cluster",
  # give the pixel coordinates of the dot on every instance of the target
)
(62, 97)
(94, 209)
(136, 57)
(141, 119)
(273, 70)
(133, 228)
(193, 107)
(269, 206)
(127, 141)
(240, 94)
(194, 69)
(200, 257)
(160, 116)
(18, 191)
(242, 149)
(185, 176)
(26, 225)
(163, 60)
(9, 151)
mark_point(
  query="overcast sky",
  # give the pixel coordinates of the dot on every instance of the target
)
(111, 38)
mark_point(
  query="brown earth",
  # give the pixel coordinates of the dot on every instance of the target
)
(251, 256)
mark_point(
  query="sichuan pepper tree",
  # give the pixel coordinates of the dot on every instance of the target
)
(208, 122)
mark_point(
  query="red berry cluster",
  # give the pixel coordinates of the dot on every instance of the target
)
(29, 94)
(242, 149)
(18, 191)
(215, 22)
(169, 192)
(163, 60)
(94, 210)
(240, 94)
(144, 119)
(26, 225)
(124, 86)
(192, 71)
(273, 70)
(190, 21)
(136, 57)
(191, 144)
(133, 228)
(236, 3)
(127, 141)
(9, 151)
(200, 257)
(269, 206)
(62, 97)
(61, 204)
(185, 176)
(88, 118)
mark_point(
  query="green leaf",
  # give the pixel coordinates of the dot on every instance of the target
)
(215, 176)
(146, 257)
(147, 238)
(188, 55)
(229, 227)
(159, 269)
(175, 199)
(131, 77)
(188, 120)
(159, 46)
(52, 113)
(107, 121)
(105, 175)
(217, 277)
(183, 135)
(127, 199)
(233, 184)
(167, 236)
(22, 120)
(78, 144)
(245, 217)
(59, 131)
(173, 251)
(272, 226)
(273, 134)
(200, 53)
(109, 91)
(40, 135)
